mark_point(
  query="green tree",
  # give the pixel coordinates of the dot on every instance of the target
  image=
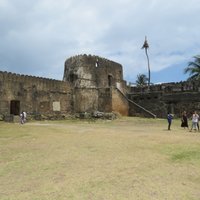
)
(193, 68)
(141, 80)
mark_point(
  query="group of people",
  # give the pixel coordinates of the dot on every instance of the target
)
(23, 116)
(184, 121)
(195, 121)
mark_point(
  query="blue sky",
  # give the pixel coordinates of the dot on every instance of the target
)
(37, 36)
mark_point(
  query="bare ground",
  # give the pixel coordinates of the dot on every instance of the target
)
(129, 158)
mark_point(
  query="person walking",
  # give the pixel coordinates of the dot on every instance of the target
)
(169, 119)
(22, 117)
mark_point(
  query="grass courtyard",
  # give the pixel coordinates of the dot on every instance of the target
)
(124, 159)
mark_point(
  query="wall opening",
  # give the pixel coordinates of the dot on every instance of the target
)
(15, 107)
(73, 78)
(109, 80)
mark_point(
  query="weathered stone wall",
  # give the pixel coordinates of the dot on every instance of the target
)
(80, 71)
(91, 83)
(183, 86)
(85, 99)
(88, 85)
(168, 97)
(34, 95)
(94, 80)
(105, 100)
(119, 103)
(92, 71)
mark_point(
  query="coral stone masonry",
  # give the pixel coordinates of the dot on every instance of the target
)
(91, 84)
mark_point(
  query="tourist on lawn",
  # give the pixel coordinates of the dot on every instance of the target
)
(169, 119)
(23, 116)
(195, 119)
(184, 120)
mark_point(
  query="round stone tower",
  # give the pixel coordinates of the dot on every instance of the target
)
(95, 80)
(92, 71)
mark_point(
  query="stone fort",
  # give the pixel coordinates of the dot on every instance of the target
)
(91, 84)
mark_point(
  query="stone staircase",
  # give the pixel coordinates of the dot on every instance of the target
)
(137, 105)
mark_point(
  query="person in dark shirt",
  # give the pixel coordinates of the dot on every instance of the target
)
(169, 119)
(184, 120)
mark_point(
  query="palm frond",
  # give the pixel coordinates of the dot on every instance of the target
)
(194, 77)
(193, 68)
(195, 64)
(197, 57)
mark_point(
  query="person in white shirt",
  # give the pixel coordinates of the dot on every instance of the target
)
(195, 119)
(24, 116)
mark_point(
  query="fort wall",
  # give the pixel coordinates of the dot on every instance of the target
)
(94, 80)
(91, 83)
(119, 103)
(167, 97)
(92, 71)
(173, 87)
(35, 95)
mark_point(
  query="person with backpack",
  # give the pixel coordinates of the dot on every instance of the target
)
(23, 116)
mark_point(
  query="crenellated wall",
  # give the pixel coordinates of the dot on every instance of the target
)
(167, 97)
(173, 87)
(91, 83)
(92, 71)
(35, 95)
(88, 85)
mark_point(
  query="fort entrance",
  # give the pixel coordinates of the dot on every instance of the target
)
(14, 107)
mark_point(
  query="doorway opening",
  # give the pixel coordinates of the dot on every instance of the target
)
(15, 107)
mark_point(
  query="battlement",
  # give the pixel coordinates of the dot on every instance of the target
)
(89, 84)
(173, 87)
(94, 58)
(13, 77)
(92, 71)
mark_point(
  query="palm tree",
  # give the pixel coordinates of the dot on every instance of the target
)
(141, 80)
(193, 68)
(146, 46)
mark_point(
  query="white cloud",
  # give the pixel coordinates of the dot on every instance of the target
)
(37, 36)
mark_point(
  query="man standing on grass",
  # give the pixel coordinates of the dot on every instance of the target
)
(169, 119)
(195, 119)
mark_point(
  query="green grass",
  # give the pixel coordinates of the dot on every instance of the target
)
(187, 155)
(183, 153)
(129, 158)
